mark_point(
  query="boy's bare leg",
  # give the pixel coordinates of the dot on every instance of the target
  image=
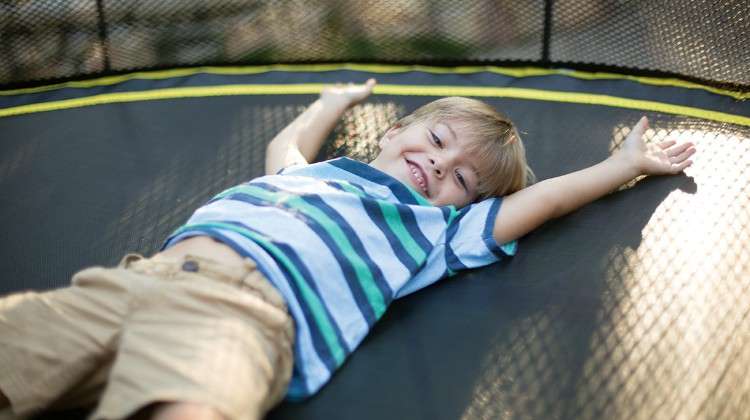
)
(177, 411)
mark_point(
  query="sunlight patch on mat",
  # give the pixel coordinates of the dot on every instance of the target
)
(674, 319)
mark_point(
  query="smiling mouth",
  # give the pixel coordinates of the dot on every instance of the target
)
(418, 176)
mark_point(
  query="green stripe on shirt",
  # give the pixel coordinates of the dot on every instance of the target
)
(396, 225)
(365, 276)
(393, 218)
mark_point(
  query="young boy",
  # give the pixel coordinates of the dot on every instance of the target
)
(269, 286)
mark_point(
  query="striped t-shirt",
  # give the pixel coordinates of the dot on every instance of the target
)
(340, 240)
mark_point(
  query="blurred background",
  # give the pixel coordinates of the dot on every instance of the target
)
(50, 39)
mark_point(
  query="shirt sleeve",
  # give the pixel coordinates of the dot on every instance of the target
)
(291, 168)
(468, 244)
(469, 240)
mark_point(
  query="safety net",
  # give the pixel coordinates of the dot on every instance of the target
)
(698, 39)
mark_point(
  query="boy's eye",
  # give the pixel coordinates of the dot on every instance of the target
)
(436, 139)
(461, 180)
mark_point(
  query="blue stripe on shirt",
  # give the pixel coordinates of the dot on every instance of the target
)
(489, 237)
(452, 261)
(349, 273)
(362, 272)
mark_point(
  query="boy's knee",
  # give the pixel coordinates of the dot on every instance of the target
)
(177, 410)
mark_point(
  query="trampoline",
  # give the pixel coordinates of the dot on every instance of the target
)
(118, 119)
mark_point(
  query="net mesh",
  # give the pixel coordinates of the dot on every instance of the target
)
(45, 39)
(692, 37)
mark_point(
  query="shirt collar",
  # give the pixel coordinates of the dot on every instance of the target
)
(401, 191)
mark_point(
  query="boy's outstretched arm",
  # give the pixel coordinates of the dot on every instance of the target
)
(523, 211)
(300, 141)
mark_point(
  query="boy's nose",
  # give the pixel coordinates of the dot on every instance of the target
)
(436, 167)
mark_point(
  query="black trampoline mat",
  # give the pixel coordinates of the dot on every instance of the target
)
(632, 307)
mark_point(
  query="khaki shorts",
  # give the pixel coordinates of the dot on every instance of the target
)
(148, 331)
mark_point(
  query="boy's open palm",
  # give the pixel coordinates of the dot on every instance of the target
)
(666, 157)
(347, 95)
(528, 208)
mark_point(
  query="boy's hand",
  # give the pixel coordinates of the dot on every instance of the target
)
(663, 158)
(345, 96)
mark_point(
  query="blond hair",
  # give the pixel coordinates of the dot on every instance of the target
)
(493, 141)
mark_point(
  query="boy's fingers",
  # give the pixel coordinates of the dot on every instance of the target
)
(677, 168)
(640, 127)
(676, 150)
(667, 144)
(682, 156)
(643, 122)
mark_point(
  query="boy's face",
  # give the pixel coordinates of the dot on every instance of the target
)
(430, 157)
